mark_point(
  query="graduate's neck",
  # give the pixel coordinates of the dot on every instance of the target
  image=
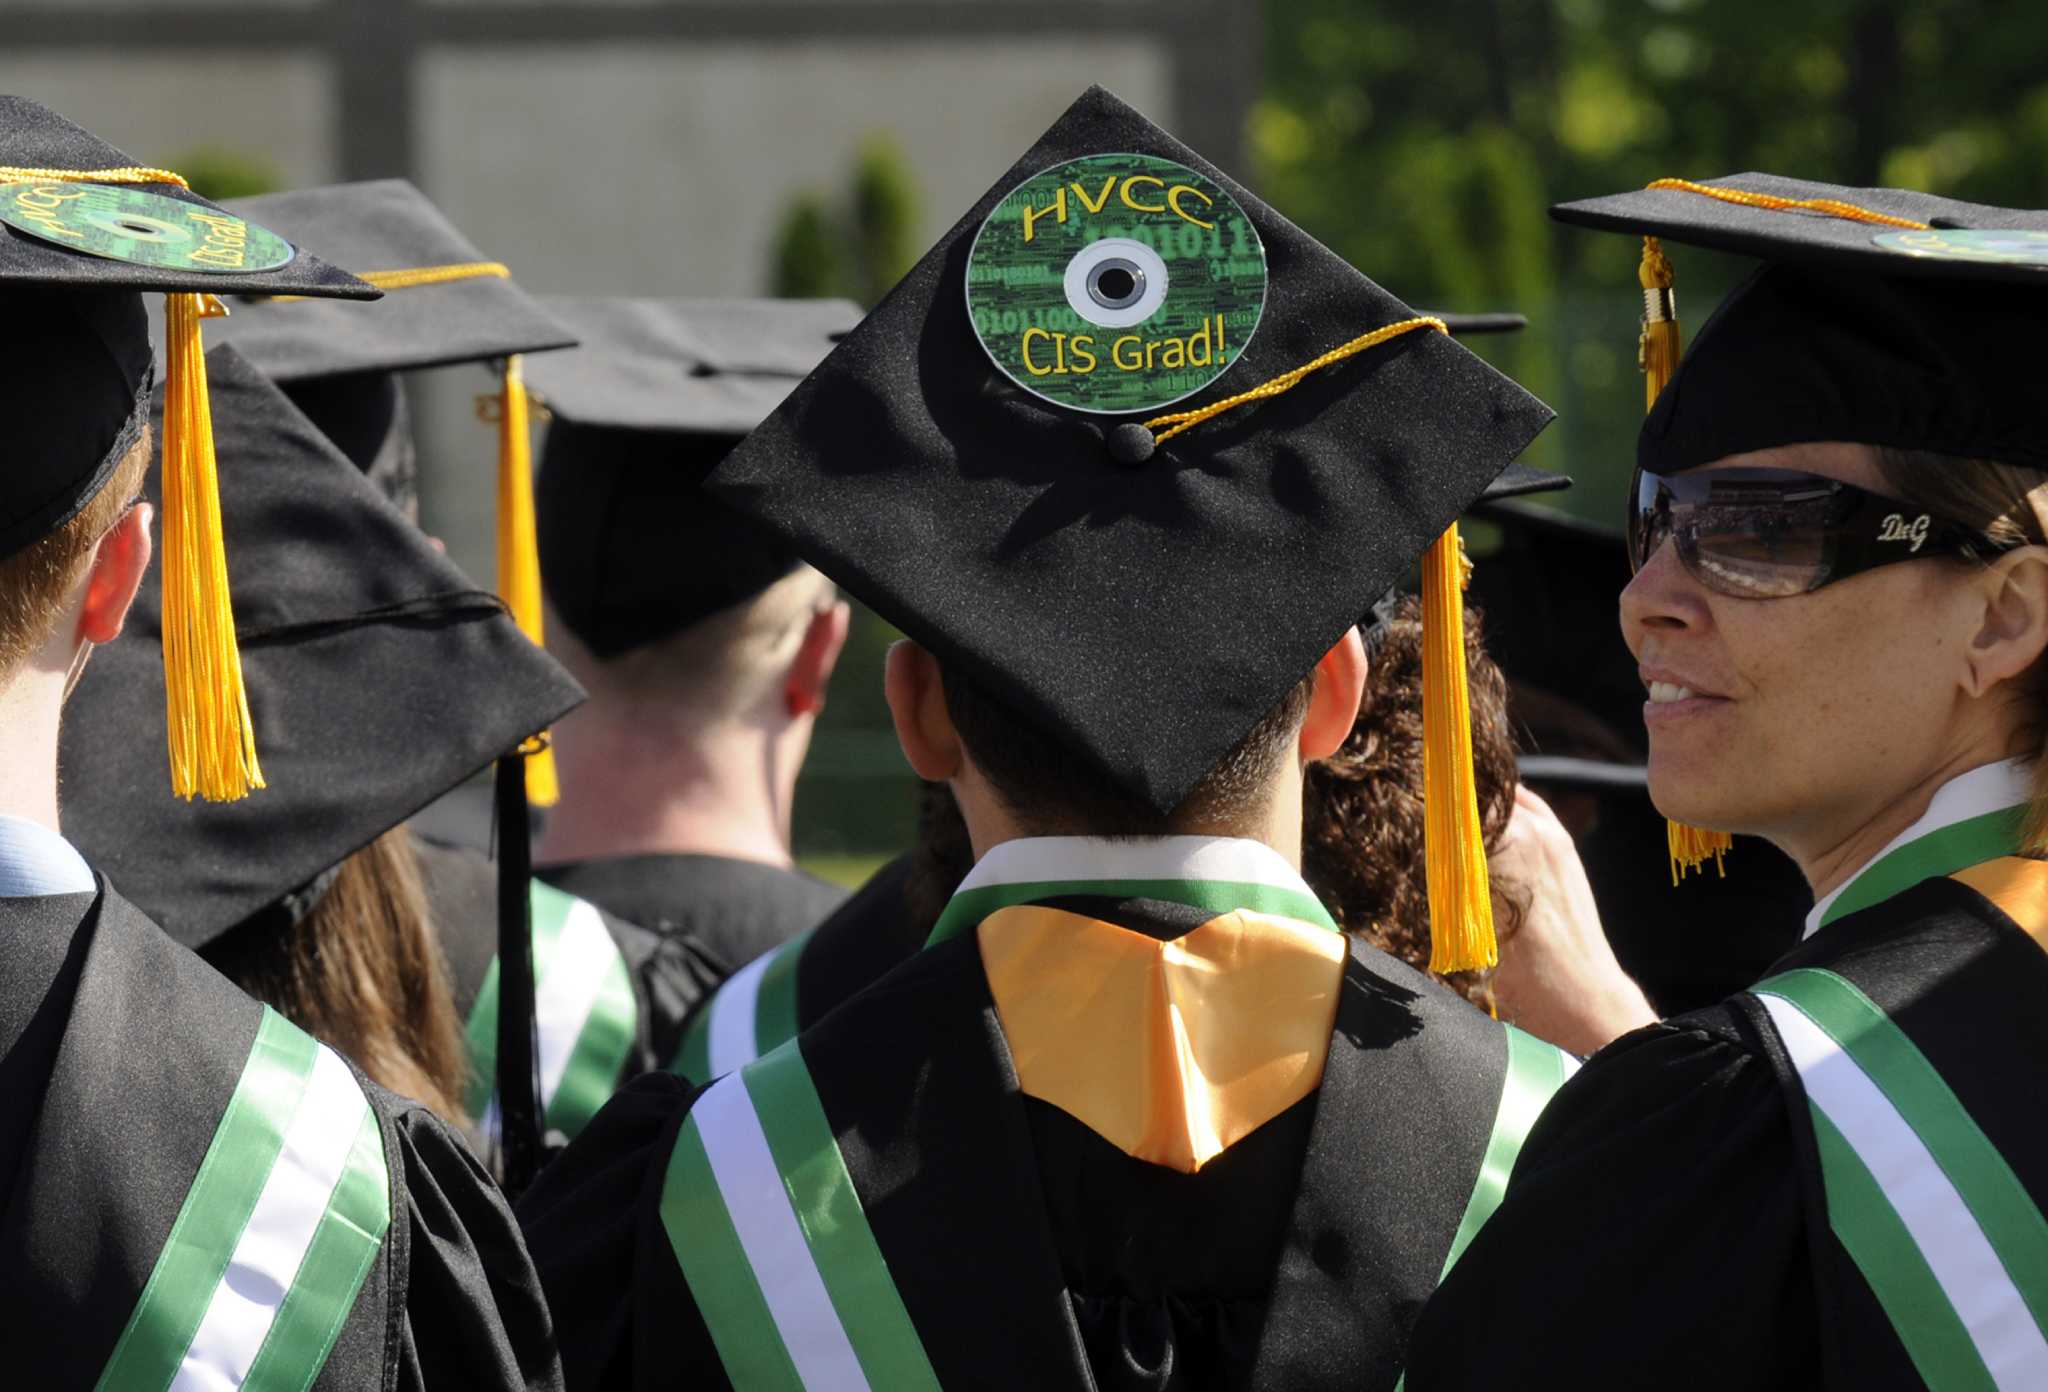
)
(1835, 850)
(630, 788)
(31, 704)
(1274, 821)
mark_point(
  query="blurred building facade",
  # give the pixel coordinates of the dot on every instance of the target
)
(622, 146)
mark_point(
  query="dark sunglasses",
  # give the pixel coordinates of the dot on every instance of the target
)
(1768, 533)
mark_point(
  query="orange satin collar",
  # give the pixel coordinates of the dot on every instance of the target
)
(2018, 887)
(1175, 1050)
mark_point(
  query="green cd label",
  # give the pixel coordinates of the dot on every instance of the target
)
(2002, 246)
(1116, 283)
(141, 228)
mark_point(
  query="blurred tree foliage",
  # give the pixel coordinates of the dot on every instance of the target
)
(1424, 143)
(854, 248)
(218, 173)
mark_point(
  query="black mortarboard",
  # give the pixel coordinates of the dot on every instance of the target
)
(379, 674)
(447, 304)
(83, 228)
(1144, 587)
(632, 548)
(1878, 231)
(1881, 316)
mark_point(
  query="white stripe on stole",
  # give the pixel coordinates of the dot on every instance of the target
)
(317, 1143)
(1991, 1308)
(763, 1215)
(569, 989)
(566, 986)
(731, 1027)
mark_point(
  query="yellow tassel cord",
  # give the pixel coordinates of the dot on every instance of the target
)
(1454, 851)
(1178, 421)
(1692, 847)
(1460, 903)
(518, 556)
(212, 742)
(1657, 355)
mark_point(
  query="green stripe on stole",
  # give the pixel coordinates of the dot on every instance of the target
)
(603, 1042)
(966, 909)
(1535, 1071)
(1862, 1214)
(233, 1177)
(745, 1292)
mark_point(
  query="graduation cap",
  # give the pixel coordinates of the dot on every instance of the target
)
(1131, 449)
(631, 547)
(1883, 316)
(83, 230)
(381, 675)
(446, 304)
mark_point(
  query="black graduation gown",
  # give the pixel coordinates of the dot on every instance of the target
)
(119, 1051)
(1667, 1222)
(724, 911)
(863, 940)
(1031, 1253)
(462, 894)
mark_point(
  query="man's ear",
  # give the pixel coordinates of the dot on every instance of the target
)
(118, 564)
(1333, 702)
(2013, 632)
(811, 672)
(917, 706)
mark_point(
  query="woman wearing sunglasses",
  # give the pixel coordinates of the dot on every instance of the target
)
(1840, 613)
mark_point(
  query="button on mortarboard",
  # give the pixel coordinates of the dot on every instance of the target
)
(83, 227)
(1147, 615)
(632, 548)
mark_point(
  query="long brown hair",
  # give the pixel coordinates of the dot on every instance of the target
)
(1362, 813)
(361, 972)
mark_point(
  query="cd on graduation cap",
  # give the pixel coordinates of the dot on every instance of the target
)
(139, 227)
(2004, 246)
(1116, 283)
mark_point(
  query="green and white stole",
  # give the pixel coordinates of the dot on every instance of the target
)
(753, 1010)
(1942, 1230)
(585, 1015)
(761, 1212)
(275, 1236)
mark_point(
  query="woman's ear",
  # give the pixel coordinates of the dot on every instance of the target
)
(2013, 630)
(1333, 703)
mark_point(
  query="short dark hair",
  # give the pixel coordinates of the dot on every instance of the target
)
(1050, 790)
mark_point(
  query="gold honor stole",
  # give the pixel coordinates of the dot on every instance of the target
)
(1940, 1227)
(1171, 1050)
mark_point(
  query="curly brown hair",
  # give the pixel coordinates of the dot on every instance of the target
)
(1362, 817)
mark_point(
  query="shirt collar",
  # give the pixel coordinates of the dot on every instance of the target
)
(1972, 818)
(35, 861)
(1218, 873)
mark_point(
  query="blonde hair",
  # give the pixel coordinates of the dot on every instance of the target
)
(35, 580)
(2009, 505)
(721, 666)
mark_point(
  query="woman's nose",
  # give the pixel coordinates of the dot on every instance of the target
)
(1661, 597)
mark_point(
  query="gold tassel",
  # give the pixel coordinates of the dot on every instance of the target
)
(212, 744)
(1657, 354)
(518, 555)
(1454, 851)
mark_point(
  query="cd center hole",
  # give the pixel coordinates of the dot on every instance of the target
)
(1116, 283)
(139, 229)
